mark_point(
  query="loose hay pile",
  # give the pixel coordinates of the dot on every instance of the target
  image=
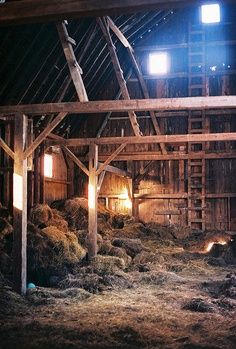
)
(151, 291)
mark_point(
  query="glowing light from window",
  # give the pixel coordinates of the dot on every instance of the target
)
(210, 13)
(159, 63)
(211, 244)
(127, 202)
(17, 191)
(48, 165)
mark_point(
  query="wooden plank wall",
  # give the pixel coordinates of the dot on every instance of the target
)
(56, 187)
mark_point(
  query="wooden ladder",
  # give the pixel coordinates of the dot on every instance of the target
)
(196, 125)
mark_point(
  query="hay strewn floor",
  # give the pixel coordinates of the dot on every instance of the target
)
(152, 314)
(146, 289)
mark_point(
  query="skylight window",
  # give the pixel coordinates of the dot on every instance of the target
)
(48, 165)
(210, 13)
(159, 63)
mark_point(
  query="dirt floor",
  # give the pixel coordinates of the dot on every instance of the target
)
(142, 291)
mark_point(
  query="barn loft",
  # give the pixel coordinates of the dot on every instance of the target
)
(117, 187)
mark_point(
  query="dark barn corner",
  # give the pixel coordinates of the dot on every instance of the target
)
(117, 174)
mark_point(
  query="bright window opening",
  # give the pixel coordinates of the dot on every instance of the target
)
(48, 165)
(210, 13)
(159, 63)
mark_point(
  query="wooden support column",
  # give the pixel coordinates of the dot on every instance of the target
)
(42, 178)
(36, 176)
(20, 205)
(92, 201)
(132, 187)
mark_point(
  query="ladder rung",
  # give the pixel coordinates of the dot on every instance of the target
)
(196, 220)
(196, 120)
(197, 163)
(197, 130)
(197, 64)
(196, 175)
(196, 32)
(197, 86)
(196, 186)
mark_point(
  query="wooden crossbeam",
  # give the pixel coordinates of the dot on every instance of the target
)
(95, 107)
(75, 69)
(44, 134)
(142, 173)
(152, 155)
(76, 160)
(100, 181)
(115, 170)
(111, 158)
(119, 73)
(184, 138)
(31, 11)
(6, 148)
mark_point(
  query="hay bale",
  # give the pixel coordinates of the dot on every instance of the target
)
(131, 246)
(90, 282)
(41, 295)
(49, 251)
(103, 265)
(12, 303)
(161, 277)
(40, 215)
(121, 253)
(199, 305)
(132, 231)
(105, 247)
(58, 221)
(104, 227)
(117, 222)
(148, 257)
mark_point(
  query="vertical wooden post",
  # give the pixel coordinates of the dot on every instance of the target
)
(92, 201)
(30, 165)
(6, 187)
(42, 178)
(131, 183)
(20, 205)
(70, 179)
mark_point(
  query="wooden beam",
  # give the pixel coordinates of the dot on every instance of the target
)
(100, 181)
(146, 96)
(171, 139)
(29, 11)
(92, 202)
(115, 170)
(6, 148)
(75, 69)
(142, 173)
(20, 206)
(139, 74)
(119, 73)
(94, 107)
(42, 176)
(119, 34)
(110, 159)
(74, 158)
(44, 134)
(152, 155)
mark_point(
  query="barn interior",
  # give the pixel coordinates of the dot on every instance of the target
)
(117, 187)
